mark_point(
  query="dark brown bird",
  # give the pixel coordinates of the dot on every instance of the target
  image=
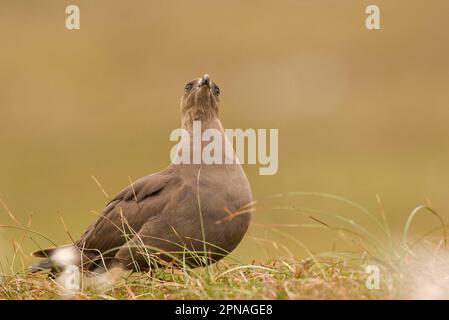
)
(187, 213)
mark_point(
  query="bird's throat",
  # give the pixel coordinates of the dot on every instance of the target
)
(204, 115)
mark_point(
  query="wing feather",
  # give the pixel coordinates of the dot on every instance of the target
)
(124, 215)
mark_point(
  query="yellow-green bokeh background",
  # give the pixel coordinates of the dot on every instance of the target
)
(359, 112)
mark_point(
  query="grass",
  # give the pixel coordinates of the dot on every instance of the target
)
(407, 269)
(278, 279)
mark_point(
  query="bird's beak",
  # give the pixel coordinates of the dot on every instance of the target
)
(205, 81)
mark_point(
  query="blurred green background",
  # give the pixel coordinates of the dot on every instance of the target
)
(360, 113)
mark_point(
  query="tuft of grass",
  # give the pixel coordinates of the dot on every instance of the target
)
(406, 269)
(278, 279)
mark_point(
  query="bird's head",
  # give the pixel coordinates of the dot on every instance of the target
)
(200, 100)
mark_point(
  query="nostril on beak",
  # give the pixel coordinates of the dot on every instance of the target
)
(205, 80)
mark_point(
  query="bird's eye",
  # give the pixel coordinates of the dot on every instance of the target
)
(188, 86)
(216, 91)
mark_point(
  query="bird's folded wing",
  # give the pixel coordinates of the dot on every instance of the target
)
(124, 215)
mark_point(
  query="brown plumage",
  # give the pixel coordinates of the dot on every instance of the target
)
(165, 216)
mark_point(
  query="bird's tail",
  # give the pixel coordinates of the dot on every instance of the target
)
(56, 259)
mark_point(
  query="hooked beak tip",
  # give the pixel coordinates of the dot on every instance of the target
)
(205, 80)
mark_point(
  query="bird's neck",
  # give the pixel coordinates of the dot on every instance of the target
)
(207, 116)
(199, 126)
(195, 140)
